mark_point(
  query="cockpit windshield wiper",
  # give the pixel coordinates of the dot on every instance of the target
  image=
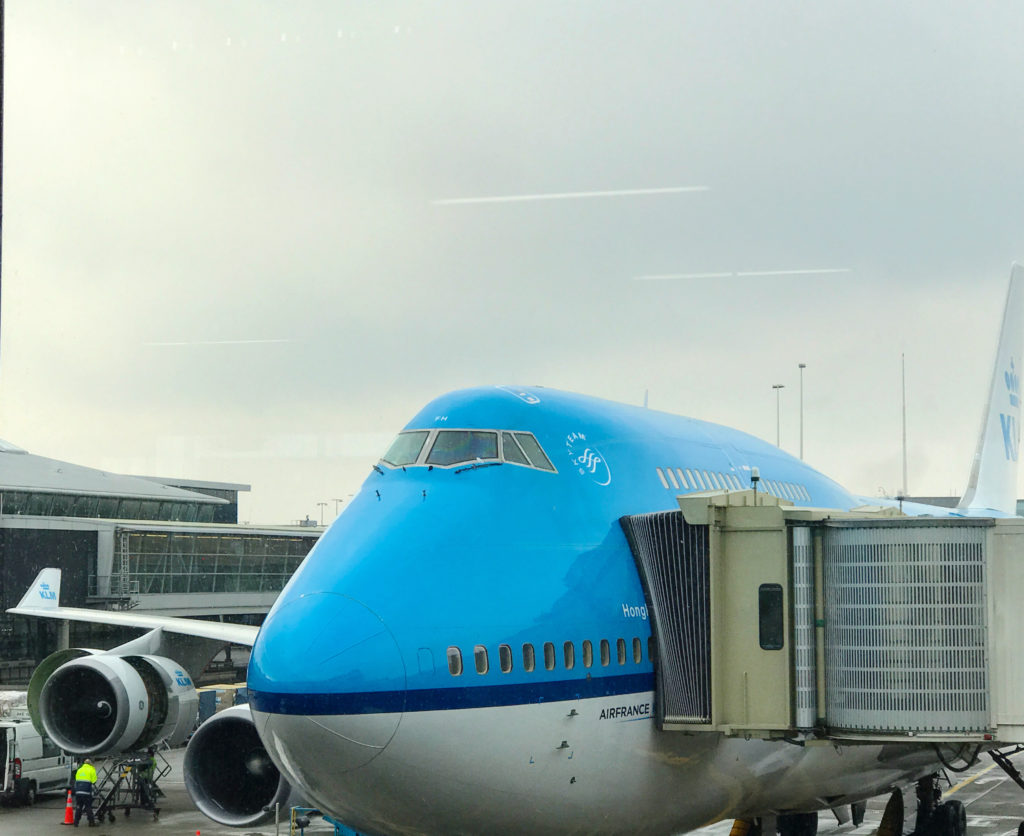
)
(480, 464)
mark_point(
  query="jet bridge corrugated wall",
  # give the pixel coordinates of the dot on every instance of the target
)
(890, 626)
(906, 633)
(673, 560)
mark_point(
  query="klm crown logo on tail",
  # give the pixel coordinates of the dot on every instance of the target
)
(1010, 427)
(46, 593)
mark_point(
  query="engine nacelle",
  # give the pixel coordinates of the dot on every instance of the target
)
(102, 703)
(229, 774)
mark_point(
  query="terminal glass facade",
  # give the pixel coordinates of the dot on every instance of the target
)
(157, 562)
(43, 504)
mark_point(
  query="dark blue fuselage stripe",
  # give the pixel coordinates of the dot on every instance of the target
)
(437, 699)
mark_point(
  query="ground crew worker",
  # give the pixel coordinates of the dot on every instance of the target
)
(145, 773)
(85, 779)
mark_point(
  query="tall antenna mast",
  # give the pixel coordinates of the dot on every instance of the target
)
(903, 375)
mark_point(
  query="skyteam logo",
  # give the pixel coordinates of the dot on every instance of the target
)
(46, 593)
(1008, 423)
(587, 459)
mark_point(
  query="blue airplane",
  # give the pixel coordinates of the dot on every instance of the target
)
(468, 648)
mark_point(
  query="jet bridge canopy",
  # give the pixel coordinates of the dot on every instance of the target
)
(772, 620)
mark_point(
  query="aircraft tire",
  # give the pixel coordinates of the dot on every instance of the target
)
(956, 817)
(798, 824)
(892, 818)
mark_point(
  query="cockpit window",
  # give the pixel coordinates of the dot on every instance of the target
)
(455, 446)
(533, 451)
(406, 448)
(510, 450)
(451, 448)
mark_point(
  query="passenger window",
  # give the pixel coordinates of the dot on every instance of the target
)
(456, 446)
(769, 616)
(480, 656)
(505, 658)
(606, 653)
(638, 651)
(549, 656)
(510, 450)
(529, 660)
(454, 661)
(588, 654)
(533, 451)
(620, 646)
(569, 653)
(652, 651)
(406, 448)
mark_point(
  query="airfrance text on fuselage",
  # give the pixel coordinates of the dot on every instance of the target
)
(642, 709)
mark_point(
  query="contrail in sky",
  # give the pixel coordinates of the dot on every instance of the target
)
(520, 198)
(742, 273)
(220, 342)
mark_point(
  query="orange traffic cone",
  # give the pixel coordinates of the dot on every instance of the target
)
(69, 811)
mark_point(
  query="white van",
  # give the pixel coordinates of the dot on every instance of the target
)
(31, 762)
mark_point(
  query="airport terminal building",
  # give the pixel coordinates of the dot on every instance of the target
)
(170, 546)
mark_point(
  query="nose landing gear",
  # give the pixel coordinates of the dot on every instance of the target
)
(948, 818)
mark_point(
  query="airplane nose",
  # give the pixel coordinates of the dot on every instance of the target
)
(330, 678)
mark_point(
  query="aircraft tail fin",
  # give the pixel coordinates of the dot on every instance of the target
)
(44, 594)
(993, 482)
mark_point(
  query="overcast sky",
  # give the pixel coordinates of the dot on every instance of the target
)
(239, 245)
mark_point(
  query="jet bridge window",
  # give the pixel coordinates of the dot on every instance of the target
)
(769, 616)
(456, 446)
(406, 448)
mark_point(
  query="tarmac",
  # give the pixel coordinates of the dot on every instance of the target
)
(995, 807)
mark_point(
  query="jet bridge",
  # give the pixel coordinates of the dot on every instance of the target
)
(772, 620)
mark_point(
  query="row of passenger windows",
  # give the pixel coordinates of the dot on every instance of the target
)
(448, 448)
(691, 479)
(624, 653)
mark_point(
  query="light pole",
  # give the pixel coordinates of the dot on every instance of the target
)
(778, 387)
(802, 367)
(337, 502)
(322, 506)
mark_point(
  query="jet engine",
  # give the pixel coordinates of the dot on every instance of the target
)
(91, 703)
(229, 774)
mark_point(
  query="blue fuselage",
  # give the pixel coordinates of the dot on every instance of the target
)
(521, 572)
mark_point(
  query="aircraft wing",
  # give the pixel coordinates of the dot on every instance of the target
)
(43, 601)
